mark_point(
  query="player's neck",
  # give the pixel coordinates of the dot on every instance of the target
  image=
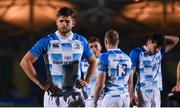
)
(98, 55)
(66, 35)
(111, 47)
(147, 47)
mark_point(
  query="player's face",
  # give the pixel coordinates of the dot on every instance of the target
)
(65, 24)
(96, 48)
(154, 48)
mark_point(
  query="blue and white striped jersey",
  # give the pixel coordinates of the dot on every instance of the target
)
(63, 57)
(148, 68)
(117, 66)
(90, 88)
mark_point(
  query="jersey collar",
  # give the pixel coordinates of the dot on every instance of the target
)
(114, 49)
(144, 46)
(60, 37)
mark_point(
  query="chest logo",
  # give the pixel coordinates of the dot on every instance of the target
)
(55, 45)
(77, 45)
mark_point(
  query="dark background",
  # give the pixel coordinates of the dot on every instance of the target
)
(23, 22)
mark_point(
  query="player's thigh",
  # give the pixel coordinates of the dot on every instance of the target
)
(144, 99)
(109, 101)
(156, 101)
(126, 102)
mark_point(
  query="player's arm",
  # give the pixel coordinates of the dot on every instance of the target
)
(171, 42)
(99, 86)
(91, 69)
(90, 72)
(133, 99)
(27, 65)
(134, 56)
(177, 87)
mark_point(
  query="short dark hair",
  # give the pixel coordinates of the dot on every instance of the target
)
(112, 36)
(158, 39)
(93, 39)
(65, 11)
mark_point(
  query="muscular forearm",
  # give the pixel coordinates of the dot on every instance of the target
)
(27, 66)
(97, 93)
(131, 82)
(171, 42)
(30, 71)
(91, 70)
(172, 38)
(131, 88)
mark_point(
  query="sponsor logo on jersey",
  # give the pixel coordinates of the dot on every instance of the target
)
(77, 45)
(55, 45)
(61, 62)
(67, 57)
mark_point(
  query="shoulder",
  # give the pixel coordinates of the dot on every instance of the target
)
(104, 55)
(125, 55)
(136, 51)
(79, 37)
(48, 37)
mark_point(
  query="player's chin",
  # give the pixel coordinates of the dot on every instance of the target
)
(64, 30)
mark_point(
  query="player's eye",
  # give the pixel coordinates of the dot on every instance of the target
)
(67, 21)
(61, 21)
(95, 46)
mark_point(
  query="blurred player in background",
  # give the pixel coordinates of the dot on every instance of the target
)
(146, 62)
(113, 74)
(95, 46)
(63, 52)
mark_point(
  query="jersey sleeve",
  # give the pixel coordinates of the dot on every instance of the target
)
(134, 56)
(103, 63)
(163, 52)
(87, 52)
(40, 47)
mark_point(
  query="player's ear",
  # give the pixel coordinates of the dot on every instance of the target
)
(105, 41)
(57, 22)
(73, 22)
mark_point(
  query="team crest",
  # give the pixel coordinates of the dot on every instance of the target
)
(77, 45)
(55, 45)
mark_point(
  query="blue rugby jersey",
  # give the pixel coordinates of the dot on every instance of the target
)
(90, 88)
(149, 76)
(117, 66)
(63, 57)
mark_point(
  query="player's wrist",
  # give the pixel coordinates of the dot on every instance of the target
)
(40, 83)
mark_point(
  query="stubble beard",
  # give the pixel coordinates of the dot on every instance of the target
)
(64, 32)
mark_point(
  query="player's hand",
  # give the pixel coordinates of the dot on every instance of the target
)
(81, 83)
(49, 87)
(134, 100)
(53, 89)
(176, 88)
